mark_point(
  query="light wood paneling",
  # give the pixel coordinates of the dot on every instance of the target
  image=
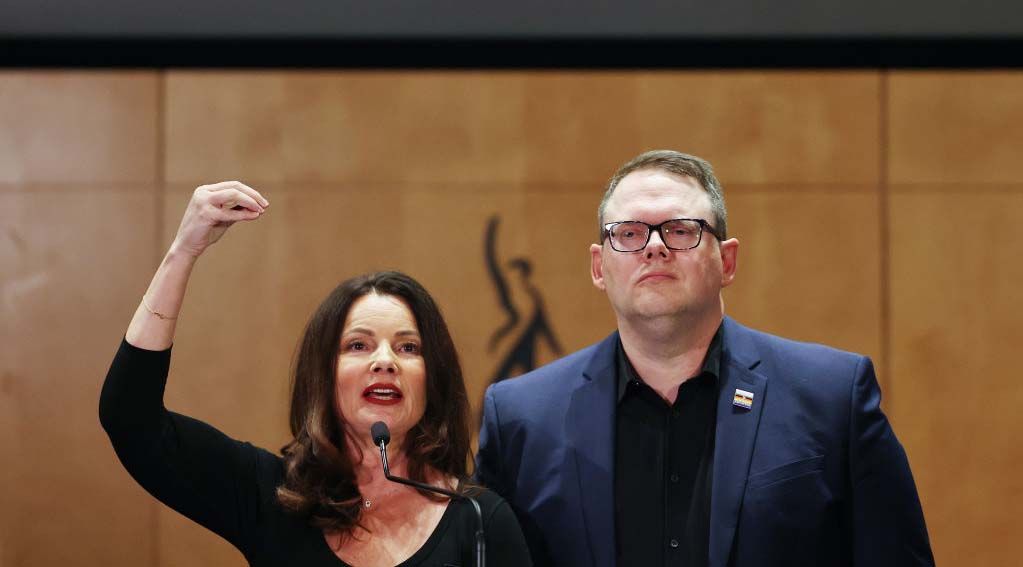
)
(561, 229)
(955, 310)
(798, 127)
(77, 128)
(77, 167)
(577, 127)
(809, 266)
(954, 139)
(74, 265)
(428, 127)
(432, 127)
(550, 230)
(514, 127)
(956, 127)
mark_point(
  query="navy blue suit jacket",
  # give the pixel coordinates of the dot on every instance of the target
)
(811, 474)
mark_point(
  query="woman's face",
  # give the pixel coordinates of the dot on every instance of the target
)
(381, 374)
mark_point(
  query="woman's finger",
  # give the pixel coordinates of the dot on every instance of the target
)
(252, 193)
(234, 198)
(225, 215)
(239, 186)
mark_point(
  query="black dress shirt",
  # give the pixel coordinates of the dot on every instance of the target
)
(663, 467)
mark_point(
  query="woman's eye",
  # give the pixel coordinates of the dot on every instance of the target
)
(357, 346)
(410, 348)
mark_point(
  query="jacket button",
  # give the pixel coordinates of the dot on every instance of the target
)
(673, 543)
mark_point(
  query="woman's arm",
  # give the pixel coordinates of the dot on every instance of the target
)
(186, 464)
(210, 212)
(506, 546)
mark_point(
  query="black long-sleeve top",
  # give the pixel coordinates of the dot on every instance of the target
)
(229, 486)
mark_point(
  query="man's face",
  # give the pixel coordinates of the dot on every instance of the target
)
(657, 281)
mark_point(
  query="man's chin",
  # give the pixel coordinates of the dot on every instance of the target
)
(654, 302)
(658, 308)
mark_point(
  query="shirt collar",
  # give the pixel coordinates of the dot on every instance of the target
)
(626, 373)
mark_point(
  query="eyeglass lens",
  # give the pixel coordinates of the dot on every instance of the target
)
(677, 234)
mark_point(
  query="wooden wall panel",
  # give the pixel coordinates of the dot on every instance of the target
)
(425, 127)
(956, 127)
(73, 269)
(956, 308)
(77, 172)
(537, 227)
(957, 197)
(577, 127)
(809, 267)
(77, 127)
(429, 127)
(776, 128)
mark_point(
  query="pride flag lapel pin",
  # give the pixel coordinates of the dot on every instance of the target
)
(743, 399)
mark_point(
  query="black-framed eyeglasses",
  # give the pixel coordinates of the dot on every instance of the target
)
(677, 234)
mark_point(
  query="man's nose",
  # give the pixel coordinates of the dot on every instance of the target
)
(655, 247)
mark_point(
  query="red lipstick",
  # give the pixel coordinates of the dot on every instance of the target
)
(382, 394)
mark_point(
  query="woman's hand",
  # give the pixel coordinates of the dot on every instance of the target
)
(212, 210)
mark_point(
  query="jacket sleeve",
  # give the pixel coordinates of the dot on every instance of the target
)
(184, 463)
(493, 472)
(887, 519)
(488, 456)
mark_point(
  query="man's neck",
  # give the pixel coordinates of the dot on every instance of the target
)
(666, 352)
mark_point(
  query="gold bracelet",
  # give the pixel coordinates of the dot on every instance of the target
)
(155, 312)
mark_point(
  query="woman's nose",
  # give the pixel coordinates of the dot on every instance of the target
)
(384, 362)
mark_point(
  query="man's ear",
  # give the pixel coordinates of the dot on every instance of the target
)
(729, 260)
(597, 266)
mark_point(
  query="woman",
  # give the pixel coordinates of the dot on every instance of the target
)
(377, 349)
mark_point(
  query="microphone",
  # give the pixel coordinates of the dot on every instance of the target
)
(381, 437)
(380, 433)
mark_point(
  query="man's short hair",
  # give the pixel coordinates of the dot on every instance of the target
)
(679, 164)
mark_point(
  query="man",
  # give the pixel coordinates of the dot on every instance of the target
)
(685, 438)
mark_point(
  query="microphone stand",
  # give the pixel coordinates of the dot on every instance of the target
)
(481, 543)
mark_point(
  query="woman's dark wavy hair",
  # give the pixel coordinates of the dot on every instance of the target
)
(319, 470)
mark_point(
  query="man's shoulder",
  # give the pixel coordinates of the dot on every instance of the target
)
(767, 344)
(794, 362)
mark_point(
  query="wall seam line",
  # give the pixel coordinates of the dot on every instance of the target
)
(884, 209)
(161, 86)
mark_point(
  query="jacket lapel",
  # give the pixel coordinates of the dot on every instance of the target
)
(735, 437)
(591, 419)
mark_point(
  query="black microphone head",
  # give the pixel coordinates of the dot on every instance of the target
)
(381, 434)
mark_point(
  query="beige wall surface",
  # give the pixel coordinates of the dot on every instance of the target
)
(956, 205)
(876, 213)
